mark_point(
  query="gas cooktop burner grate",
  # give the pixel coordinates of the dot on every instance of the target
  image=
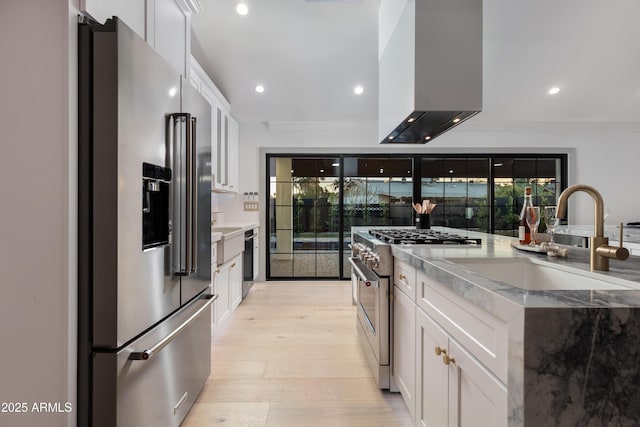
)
(422, 237)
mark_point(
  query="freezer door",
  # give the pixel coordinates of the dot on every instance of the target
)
(130, 389)
(200, 112)
(133, 89)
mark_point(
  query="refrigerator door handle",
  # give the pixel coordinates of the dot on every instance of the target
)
(149, 353)
(188, 178)
(185, 227)
(192, 156)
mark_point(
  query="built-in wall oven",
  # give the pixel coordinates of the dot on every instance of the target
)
(372, 269)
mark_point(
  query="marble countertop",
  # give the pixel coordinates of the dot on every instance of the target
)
(631, 234)
(498, 297)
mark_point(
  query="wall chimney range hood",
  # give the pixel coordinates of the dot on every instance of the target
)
(430, 67)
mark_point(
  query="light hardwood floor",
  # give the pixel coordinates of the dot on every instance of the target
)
(290, 356)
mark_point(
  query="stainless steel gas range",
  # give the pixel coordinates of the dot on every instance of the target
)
(371, 272)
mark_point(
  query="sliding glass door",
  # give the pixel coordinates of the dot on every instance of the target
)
(460, 189)
(376, 191)
(304, 227)
(546, 176)
(315, 200)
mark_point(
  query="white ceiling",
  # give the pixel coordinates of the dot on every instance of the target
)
(310, 55)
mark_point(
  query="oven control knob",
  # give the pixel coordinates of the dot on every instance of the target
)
(375, 262)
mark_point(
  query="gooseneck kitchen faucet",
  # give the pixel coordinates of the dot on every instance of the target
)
(600, 251)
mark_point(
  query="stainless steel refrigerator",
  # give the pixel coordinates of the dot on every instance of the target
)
(144, 331)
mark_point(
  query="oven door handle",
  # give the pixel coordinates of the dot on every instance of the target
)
(364, 273)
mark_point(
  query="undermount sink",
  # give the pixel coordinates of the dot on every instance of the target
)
(532, 274)
(231, 243)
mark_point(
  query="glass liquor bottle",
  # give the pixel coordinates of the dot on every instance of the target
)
(524, 233)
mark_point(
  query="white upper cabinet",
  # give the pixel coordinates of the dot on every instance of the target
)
(232, 156)
(224, 132)
(221, 147)
(170, 33)
(131, 12)
(164, 24)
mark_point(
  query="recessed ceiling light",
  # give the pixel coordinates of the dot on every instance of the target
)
(358, 90)
(321, 170)
(456, 120)
(381, 170)
(335, 165)
(450, 170)
(259, 88)
(391, 137)
(428, 137)
(411, 119)
(554, 90)
(242, 9)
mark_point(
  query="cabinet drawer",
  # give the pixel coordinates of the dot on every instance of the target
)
(482, 334)
(404, 277)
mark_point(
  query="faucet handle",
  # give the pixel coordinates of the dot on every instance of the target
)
(622, 252)
(619, 252)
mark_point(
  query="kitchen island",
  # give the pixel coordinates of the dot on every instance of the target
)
(562, 355)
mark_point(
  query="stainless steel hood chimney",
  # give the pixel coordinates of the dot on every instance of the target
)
(430, 68)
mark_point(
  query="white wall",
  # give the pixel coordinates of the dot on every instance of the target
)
(606, 158)
(37, 219)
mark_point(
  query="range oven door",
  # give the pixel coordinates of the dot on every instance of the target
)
(373, 314)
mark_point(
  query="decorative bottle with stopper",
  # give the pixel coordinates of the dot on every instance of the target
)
(524, 233)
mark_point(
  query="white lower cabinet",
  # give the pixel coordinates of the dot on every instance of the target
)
(432, 377)
(221, 288)
(453, 388)
(227, 283)
(235, 282)
(474, 393)
(404, 345)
